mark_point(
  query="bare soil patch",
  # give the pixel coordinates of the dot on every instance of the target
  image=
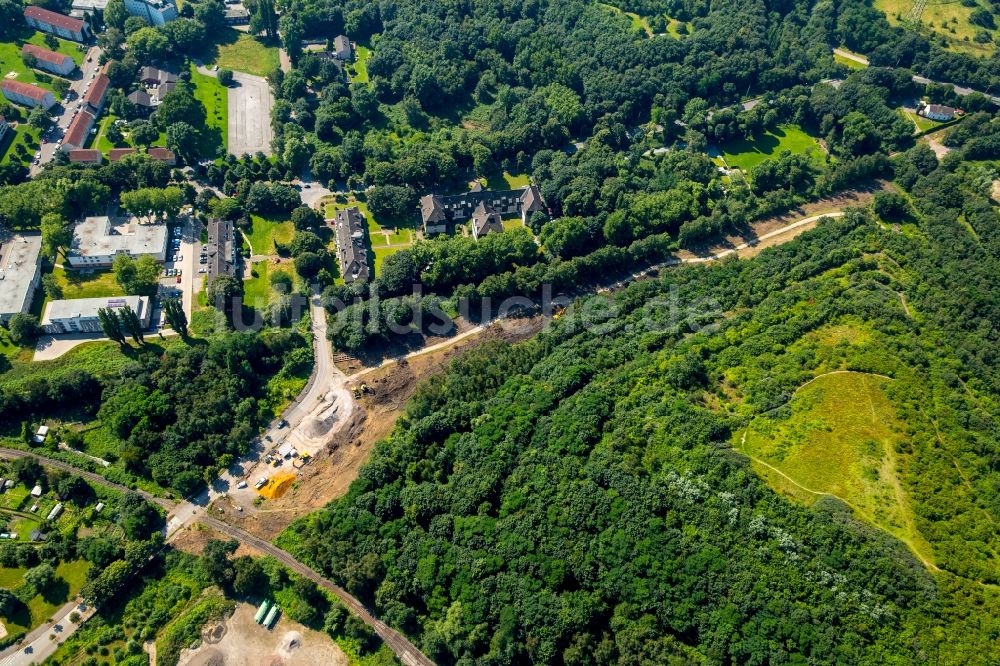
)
(239, 641)
(332, 471)
(754, 230)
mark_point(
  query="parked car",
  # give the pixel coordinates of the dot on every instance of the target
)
(241, 485)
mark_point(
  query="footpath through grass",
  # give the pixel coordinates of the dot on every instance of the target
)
(838, 437)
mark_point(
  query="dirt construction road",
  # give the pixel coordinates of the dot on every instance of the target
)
(249, 115)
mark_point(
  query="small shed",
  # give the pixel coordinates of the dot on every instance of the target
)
(41, 434)
(36, 491)
(99, 507)
(56, 510)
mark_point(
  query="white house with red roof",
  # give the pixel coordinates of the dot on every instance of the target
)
(56, 23)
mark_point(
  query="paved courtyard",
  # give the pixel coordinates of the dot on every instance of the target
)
(249, 115)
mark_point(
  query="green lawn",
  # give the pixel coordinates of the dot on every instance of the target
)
(257, 291)
(75, 284)
(947, 19)
(23, 135)
(505, 181)
(10, 58)
(215, 98)
(674, 28)
(359, 70)
(840, 440)
(847, 62)
(264, 232)
(381, 253)
(70, 578)
(639, 24)
(922, 124)
(746, 154)
(240, 52)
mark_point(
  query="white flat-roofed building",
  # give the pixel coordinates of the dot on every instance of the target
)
(20, 272)
(98, 240)
(157, 12)
(79, 315)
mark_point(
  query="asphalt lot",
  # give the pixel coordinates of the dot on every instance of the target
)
(78, 88)
(249, 115)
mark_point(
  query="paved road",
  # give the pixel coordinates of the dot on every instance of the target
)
(922, 80)
(325, 375)
(78, 86)
(250, 104)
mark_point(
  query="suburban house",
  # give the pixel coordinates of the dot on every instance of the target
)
(26, 94)
(80, 156)
(56, 23)
(162, 155)
(152, 77)
(352, 252)
(343, 49)
(116, 154)
(939, 112)
(98, 240)
(485, 220)
(438, 212)
(50, 61)
(79, 315)
(97, 93)
(20, 272)
(142, 100)
(78, 131)
(156, 12)
(222, 250)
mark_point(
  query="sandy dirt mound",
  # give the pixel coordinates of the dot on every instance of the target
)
(239, 641)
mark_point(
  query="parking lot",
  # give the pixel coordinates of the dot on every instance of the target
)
(249, 115)
(52, 140)
(179, 272)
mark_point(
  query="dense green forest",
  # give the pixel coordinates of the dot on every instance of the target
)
(576, 498)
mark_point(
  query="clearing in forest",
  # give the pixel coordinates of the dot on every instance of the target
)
(839, 439)
(748, 153)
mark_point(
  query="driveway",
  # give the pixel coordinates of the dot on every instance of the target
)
(250, 104)
(78, 86)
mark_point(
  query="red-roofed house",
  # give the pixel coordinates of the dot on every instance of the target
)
(26, 94)
(116, 154)
(97, 93)
(79, 130)
(79, 156)
(50, 61)
(163, 155)
(56, 23)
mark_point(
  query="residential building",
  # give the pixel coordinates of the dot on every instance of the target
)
(157, 12)
(939, 112)
(222, 250)
(56, 23)
(162, 155)
(343, 49)
(50, 61)
(142, 101)
(79, 315)
(20, 272)
(84, 7)
(26, 94)
(5, 128)
(152, 77)
(485, 220)
(97, 93)
(80, 156)
(438, 213)
(352, 251)
(116, 154)
(78, 131)
(98, 240)
(237, 15)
